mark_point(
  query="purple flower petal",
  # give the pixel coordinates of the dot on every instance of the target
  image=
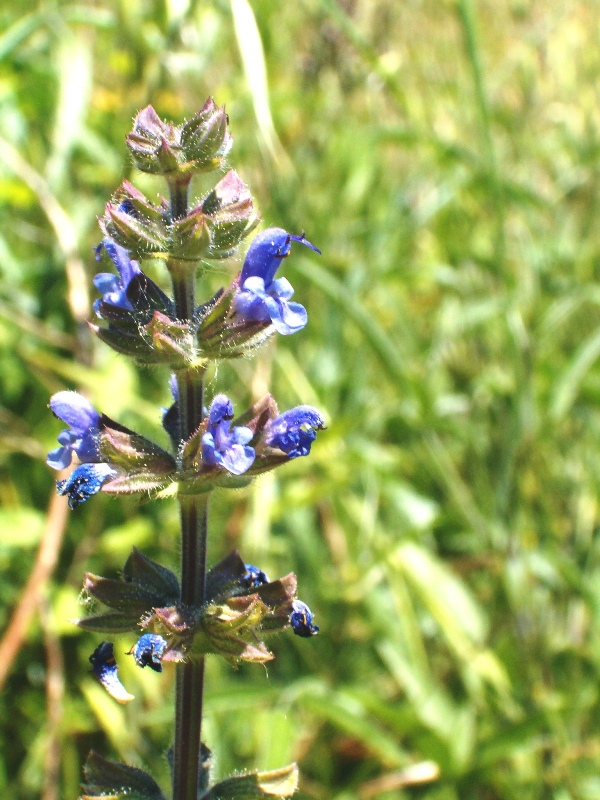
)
(294, 431)
(223, 447)
(105, 669)
(254, 576)
(82, 436)
(281, 288)
(301, 620)
(221, 409)
(237, 459)
(286, 317)
(84, 482)
(261, 297)
(250, 306)
(59, 458)
(265, 254)
(75, 410)
(149, 650)
(112, 288)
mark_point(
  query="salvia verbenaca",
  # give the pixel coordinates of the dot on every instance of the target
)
(231, 609)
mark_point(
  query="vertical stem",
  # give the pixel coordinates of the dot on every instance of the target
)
(190, 675)
(179, 197)
(194, 524)
(193, 515)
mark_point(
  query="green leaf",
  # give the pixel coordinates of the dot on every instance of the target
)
(111, 622)
(276, 783)
(150, 574)
(109, 779)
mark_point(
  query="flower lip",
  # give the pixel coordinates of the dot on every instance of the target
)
(149, 650)
(222, 447)
(84, 482)
(104, 667)
(221, 409)
(294, 431)
(301, 620)
(254, 577)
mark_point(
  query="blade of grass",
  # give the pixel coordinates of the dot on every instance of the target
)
(384, 347)
(255, 68)
(466, 15)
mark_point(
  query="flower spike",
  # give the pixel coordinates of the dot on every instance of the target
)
(234, 607)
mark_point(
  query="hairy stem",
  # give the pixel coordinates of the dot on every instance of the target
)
(178, 190)
(194, 523)
(190, 675)
(182, 278)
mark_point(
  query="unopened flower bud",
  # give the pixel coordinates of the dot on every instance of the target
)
(205, 140)
(154, 144)
(231, 215)
(163, 148)
(134, 222)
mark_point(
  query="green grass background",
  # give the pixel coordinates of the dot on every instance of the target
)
(445, 156)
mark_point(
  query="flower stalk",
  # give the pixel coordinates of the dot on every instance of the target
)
(230, 610)
(178, 193)
(193, 514)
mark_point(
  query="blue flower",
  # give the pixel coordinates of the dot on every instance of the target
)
(84, 482)
(301, 620)
(82, 436)
(105, 669)
(254, 577)
(112, 288)
(261, 298)
(222, 447)
(294, 431)
(149, 650)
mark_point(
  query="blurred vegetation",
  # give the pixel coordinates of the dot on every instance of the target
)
(445, 157)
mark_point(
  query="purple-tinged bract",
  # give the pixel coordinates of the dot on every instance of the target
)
(223, 447)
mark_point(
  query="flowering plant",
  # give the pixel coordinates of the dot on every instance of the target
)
(232, 608)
